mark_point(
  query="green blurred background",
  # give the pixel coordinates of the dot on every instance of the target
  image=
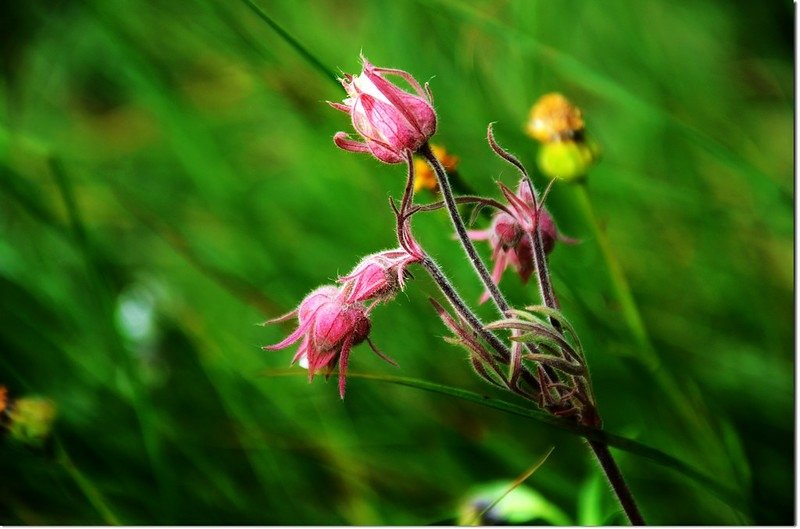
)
(168, 181)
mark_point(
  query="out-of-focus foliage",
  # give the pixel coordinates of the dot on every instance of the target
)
(168, 181)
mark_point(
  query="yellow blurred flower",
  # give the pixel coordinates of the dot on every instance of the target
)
(425, 178)
(554, 118)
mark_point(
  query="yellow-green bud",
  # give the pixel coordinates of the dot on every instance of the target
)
(31, 420)
(568, 160)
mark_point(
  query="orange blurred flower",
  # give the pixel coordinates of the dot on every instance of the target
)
(425, 178)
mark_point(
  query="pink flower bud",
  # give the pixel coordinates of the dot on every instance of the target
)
(389, 119)
(378, 276)
(508, 234)
(329, 327)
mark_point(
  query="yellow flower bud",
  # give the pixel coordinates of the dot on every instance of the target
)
(31, 419)
(568, 160)
(554, 118)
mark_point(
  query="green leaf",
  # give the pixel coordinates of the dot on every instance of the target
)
(730, 497)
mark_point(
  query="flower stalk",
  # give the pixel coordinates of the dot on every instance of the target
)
(461, 230)
(591, 417)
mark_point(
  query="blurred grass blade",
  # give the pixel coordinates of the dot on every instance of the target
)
(293, 42)
(94, 496)
(516, 483)
(731, 497)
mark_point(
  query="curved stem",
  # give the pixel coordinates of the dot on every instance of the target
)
(590, 414)
(540, 259)
(461, 230)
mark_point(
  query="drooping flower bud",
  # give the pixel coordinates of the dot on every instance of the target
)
(379, 276)
(509, 233)
(329, 327)
(389, 119)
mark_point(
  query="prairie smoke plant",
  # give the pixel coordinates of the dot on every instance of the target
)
(389, 119)
(541, 359)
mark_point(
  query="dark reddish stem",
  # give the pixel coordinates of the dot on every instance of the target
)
(461, 230)
(591, 416)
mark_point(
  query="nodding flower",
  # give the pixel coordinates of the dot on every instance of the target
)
(508, 234)
(329, 326)
(389, 119)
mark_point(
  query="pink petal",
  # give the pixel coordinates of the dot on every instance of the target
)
(302, 351)
(380, 122)
(340, 106)
(479, 235)
(345, 356)
(405, 75)
(343, 141)
(289, 340)
(416, 110)
(383, 153)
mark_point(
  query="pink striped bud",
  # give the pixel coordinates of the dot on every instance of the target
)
(389, 119)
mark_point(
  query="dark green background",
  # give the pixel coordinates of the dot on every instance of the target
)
(168, 181)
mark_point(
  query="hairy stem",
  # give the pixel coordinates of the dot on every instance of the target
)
(607, 463)
(540, 260)
(477, 264)
(463, 310)
(471, 318)
(590, 415)
(461, 230)
(617, 482)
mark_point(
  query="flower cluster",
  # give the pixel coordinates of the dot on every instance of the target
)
(332, 319)
(543, 360)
